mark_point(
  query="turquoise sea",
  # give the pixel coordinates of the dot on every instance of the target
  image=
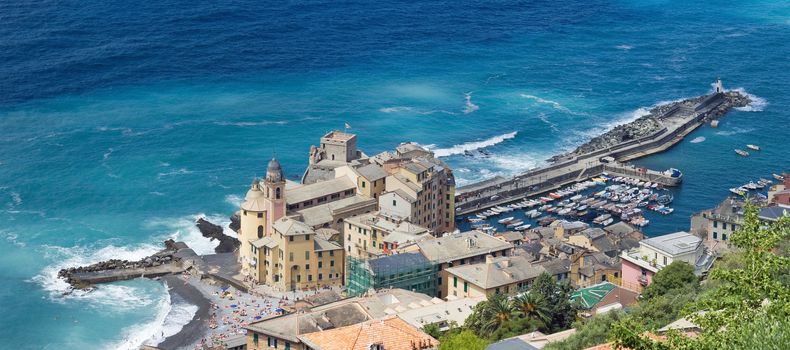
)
(121, 123)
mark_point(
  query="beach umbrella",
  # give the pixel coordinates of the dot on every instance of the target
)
(257, 317)
(224, 288)
(233, 305)
(279, 310)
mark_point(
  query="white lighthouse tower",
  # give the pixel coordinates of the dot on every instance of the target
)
(719, 88)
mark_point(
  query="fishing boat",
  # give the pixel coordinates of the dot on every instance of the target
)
(766, 181)
(665, 210)
(522, 227)
(665, 199)
(753, 147)
(581, 207)
(565, 211)
(607, 222)
(506, 220)
(750, 186)
(738, 191)
(474, 220)
(515, 223)
(582, 213)
(546, 221)
(602, 218)
(741, 152)
(778, 177)
(672, 172)
(532, 214)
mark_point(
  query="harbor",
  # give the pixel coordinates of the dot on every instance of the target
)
(663, 127)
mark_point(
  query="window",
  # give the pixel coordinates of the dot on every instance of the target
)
(307, 237)
(723, 236)
(255, 338)
(290, 238)
(331, 253)
(331, 263)
(306, 266)
(320, 264)
(466, 287)
(715, 235)
(320, 254)
(287, 346)
(363, 184)
(260, 215)
(455, 282)
(309, 278)
(320, 276)
(277, 193)
(394, 203)
(307, 255)
(665, 261)
(291, 256)
(715, 224)
(260, 231)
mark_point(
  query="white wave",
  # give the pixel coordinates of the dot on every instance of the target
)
(164, 164)
(233, 200)
(698, 139)
(624, 47)
(16, 198)
(12, 238)
(735, 131)
(184, 229)
(181, 171)
(178, 316)
(396, 109)
(109, 295)
(544, 118)
(623, 118)
(554, 104)
(108, 153)
(156, 193)
(135, 336)
(471, 146)
(469, 106)
(758, 103)
(258, 123)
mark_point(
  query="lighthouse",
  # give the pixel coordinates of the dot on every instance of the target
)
(718, 87)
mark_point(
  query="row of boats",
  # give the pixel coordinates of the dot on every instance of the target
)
(626, 199)
(753, 186)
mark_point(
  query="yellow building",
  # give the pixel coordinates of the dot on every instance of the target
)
(503, 275)
(261, 207)
(372, 234)
(295, 258)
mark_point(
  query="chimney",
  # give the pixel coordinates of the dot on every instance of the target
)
(489, 259)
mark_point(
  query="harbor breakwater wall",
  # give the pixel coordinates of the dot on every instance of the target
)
(675, 121)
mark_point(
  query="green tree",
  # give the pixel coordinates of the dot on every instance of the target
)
(677, 277)
(589, 332)
(464, 340)
(557, 295)
(532, 305)
(499, 312)
(432, 329)
(749, 298)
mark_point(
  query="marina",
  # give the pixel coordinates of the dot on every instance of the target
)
(606, 154)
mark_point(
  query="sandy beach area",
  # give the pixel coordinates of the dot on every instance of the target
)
(222, 313)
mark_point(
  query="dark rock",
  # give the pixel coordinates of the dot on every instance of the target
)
(235, 222)
(227, 244)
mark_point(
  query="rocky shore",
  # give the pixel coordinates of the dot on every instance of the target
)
(227, 244)
(653, 122)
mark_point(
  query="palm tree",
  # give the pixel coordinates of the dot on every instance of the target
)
(497, 312)
(532, 305)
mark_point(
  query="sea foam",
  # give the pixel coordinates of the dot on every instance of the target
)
(469, 107)
(471, 146)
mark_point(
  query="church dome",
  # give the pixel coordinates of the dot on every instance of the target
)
(274, 172)
(254, 191)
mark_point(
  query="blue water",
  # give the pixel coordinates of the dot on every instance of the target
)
(123, 122)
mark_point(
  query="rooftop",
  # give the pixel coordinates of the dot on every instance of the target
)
(291, 227)
(321, 214)
(498, 272)
(319, 189)
(620, 228)
(391, 332)
(674, 243)
(443, 313)
(397, 263)
(461, 245)
(372, 172)
(321, 245)
(774, 213)
(338, 136)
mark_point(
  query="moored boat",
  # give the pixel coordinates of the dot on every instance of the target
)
(753, 147)
(741, 152)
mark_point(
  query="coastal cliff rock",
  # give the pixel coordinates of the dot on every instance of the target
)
(235, 222)
(227, 244)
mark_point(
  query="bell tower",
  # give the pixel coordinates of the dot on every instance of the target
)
(252, 217)
(274, 193)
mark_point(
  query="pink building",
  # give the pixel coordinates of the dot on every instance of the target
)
(640, 264)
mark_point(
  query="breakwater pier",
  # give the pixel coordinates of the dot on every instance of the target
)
(662, 128)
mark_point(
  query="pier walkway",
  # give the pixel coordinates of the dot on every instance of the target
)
(677, 122)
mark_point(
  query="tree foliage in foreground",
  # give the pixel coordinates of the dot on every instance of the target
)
(750, 307)
(464, 340)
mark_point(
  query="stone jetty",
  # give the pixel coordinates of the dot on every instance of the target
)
(166, 261)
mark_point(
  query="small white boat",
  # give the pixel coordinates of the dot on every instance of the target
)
(515, 223)
(753, 147)
(778, 177)
(738, 191)
(741, 152)
(506, 220)
(522, 227)
(607, 222)
(750, 186)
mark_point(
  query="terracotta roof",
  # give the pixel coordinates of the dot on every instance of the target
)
(391, 332)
